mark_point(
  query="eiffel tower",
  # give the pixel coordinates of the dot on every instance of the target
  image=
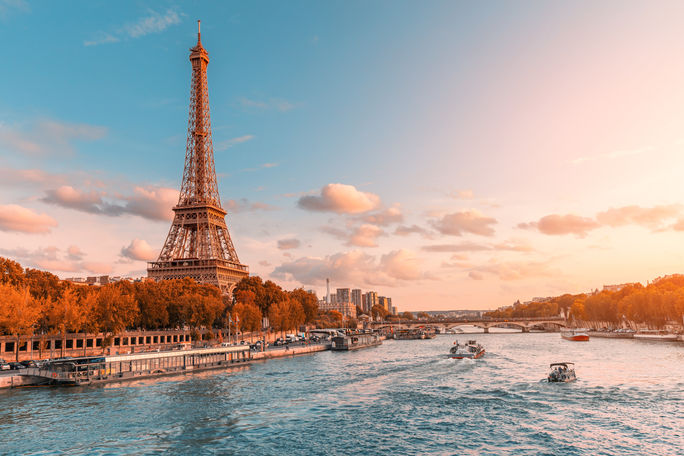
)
(198, 244)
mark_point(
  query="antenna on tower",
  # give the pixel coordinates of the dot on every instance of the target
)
(199, 34)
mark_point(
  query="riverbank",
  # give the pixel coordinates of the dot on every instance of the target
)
(16, 379)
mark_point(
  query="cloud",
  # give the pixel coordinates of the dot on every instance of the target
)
(462, 247)
(286, 244)
(401, 264)
(24, 220)
(477, 247)
(649, 217)
(74, 253)
(475, 275)
(361, 236)
(96, 268)
(48, 137)
(462, 194)
(153, 23)
(228, 143)
(353, 268)
(613, 155)
(264, 263)
(51, 258)
(243, 205)
(514, 270)
(365, 236)
(470, 221)
(386, 217)
(67, 196)
(139, 250)
(340, 198)
(277, 104)
(153, 203)
(12, 177)
(404, 230)
(555, 224)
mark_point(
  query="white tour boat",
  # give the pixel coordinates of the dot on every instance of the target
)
(469, 350)
(562, 373)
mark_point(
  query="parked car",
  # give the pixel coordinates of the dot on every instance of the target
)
(4, 365)
(29, 363)
(16, 366)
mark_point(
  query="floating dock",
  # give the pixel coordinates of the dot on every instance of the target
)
(355, 341)
(93, 369)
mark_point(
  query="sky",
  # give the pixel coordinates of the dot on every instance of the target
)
(446, 154)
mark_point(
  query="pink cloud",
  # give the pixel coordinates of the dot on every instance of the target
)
(401, 264)
(51, 258)
(403, 230)
(48, 137)
(154, 203)
(470, 221)
(67, 196)
(555, 224)
(387, 217)
(286, 244)
(243, 205)
(139, 250)
(365, 235)
(24, 220)
(354, 268)
(514, 270)
(362, 236)
(650, 217)
(340, 198)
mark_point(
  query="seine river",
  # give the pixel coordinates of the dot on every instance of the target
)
(402, 398)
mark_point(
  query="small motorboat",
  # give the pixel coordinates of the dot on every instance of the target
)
(470, 350)
(562, 373)
(577, 335)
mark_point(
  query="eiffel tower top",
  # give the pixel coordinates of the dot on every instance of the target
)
(199, 185)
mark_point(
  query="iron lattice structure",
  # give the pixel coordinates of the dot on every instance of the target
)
(198, 244)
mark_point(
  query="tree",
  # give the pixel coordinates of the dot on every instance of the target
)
(423, 316)
(66, 314)
(19, 311)
(11, 272)
(113, 310)
(407, 315)
(249, 316)
(279, 315)
(152, 299)
(378, 310)
(309, 303)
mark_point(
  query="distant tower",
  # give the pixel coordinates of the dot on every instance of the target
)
(198, 244)
(327, 291)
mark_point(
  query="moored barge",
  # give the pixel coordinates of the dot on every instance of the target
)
(100, 369)
(413, 334)
(355, 341)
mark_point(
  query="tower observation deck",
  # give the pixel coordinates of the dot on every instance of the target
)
(198, 244)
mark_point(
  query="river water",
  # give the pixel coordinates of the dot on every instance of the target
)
(402, 398)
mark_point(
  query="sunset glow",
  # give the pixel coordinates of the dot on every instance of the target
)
(450, 155)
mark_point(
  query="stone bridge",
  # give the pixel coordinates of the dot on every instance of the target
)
(444, 324)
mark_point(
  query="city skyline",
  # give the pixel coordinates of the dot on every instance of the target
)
(378, 145)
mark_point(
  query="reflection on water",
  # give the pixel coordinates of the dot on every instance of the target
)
(403, 397)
